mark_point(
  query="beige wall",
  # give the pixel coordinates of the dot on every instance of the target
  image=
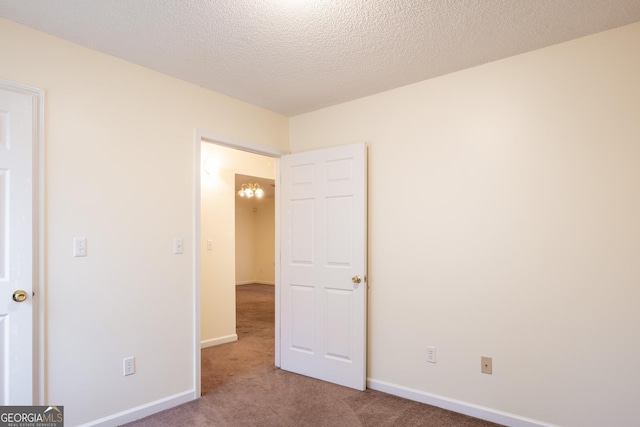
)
(255, 240)
(217, 267)
(265, 234)
(119, 143)
(245, 240)
(504, 206)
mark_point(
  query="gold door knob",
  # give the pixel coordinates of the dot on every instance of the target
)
(19, 295)
(356, 279)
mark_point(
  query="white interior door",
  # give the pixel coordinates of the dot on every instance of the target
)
(323, 264)
(16, 246)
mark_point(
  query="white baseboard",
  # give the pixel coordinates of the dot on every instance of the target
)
(142, 411)
(217, 341)
(458, 406)
(257, 282)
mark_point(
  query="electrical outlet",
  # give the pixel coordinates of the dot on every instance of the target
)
(129, 365)
(431, 354)
(486, 365)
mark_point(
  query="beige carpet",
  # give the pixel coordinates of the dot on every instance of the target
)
(241, 387)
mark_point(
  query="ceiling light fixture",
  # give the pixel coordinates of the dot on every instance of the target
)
(251, 190)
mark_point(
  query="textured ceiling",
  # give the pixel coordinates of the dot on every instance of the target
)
(295, 56)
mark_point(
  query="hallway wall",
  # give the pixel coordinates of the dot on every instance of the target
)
(255, 240)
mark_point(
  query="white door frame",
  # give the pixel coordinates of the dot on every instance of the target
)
(251, 147)
(37, 228)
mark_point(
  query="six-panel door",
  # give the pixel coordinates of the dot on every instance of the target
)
(323, 240)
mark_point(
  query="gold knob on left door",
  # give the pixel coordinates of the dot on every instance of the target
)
(356, 279)
(19, 295)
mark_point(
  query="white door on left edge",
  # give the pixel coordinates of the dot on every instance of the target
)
(16, 246)
(323, 292)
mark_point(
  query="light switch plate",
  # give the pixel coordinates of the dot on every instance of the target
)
(80, 246)
(178, 245)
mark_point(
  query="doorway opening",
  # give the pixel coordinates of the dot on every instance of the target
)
(218, 160)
